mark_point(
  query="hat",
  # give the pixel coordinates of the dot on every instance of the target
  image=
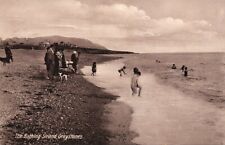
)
(75, 52)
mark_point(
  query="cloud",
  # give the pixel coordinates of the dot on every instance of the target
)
(171, 26)
(102, 22)
(118, 19)
(119, 14)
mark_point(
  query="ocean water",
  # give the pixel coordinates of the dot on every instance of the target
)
(162, 115)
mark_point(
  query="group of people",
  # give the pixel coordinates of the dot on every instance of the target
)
(184, 69)
(135, 85)
(55, 59)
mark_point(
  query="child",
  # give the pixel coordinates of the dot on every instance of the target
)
(182, 68)
(122, 71)
(186, 71)
(134, 82)
(174, 66)
(94, 69)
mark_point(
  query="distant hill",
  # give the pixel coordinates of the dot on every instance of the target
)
(79, 44)
(56, 39)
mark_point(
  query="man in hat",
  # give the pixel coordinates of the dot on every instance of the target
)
(49, 61)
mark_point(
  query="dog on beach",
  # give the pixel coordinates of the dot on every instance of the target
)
(63, 77)
(4, 60)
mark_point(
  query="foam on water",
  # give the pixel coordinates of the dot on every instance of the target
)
(162, 115)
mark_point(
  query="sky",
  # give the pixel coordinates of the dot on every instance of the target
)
(134, 25)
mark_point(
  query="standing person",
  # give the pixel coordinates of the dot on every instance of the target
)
(59, 54)
(78, 59)
(186, 70)
(62, 48)
(56, 60)
(49, 62)
(182, 68)
(94, 69)
(122, 71)
(75, 59)
(8, 53)
(135, 85)
(63, 60)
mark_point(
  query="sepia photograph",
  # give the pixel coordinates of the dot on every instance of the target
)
(112, 72)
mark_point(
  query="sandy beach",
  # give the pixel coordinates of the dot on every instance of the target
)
(171, 110)
(38, 111)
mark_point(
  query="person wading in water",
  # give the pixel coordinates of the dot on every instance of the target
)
(135, 85)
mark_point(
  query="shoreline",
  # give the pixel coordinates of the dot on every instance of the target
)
(52, 108)
(118, 123)
(95, 107)
(117, 116)
(155, 115)
(204, 81)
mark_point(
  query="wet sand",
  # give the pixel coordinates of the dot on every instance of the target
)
(118, 121)
(164, 114)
